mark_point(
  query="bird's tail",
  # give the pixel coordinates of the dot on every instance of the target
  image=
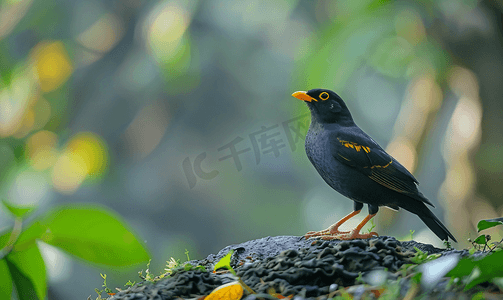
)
(429, 219)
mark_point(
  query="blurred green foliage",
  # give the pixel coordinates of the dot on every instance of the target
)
(90, 233)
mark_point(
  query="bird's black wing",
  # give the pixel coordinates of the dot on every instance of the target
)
(358, 150)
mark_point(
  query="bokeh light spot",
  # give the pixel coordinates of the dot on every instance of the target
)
(41, 149)
(68, 173)
(29, 188)
(103, 34)
(403, 150)
(53, 65)
(58, 263)
(165, 28)
(84, 156)
(14, 104)
(459, 179)
(410, 26)
(26, 124)
(147, 129)
(92, 149)
(42, 113)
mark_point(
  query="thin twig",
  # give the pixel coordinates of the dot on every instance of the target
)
(14, 235)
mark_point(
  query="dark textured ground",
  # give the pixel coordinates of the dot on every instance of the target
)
(291, 265)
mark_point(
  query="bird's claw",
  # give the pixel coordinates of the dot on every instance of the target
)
(327, 234)
(356, 235)
(344, 235)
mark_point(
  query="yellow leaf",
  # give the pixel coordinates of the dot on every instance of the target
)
(229, 291)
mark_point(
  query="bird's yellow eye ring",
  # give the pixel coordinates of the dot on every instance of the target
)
(324, 96)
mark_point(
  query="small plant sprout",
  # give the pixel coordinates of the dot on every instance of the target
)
(148, 276)
(106, 289)
(170, 265)
(422, 257)
(372, 225)
(225, 262)
(359, 279)
(129, 283)
(412, 234)
(447, 244)
(484, 239)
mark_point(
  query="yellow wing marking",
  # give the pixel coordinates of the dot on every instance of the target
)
(355, 146)
(344, 157)
(377, 166)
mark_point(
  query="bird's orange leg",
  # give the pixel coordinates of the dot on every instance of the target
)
(355, 233)
(332, 230)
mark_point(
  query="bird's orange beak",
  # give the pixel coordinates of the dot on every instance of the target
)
(303, 96)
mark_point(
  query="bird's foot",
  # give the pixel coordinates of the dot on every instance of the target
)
(325, 234)
(343, 236)
(328, 237)
(356, 235)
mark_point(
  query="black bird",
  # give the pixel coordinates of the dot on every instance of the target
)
(353, 164)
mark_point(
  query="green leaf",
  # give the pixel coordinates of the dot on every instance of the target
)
(27, 269)
(29, 236)
(94, 234)
(200, 268)
(19, 211)
(481, 240)
(488, 223)
(24, 287)
(463, 268)
(225, 262)
(4, 238)
(479, 296)
(5, 281)
(26, 239)
(489, 267)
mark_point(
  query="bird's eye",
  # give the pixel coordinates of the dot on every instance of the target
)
(324, 96)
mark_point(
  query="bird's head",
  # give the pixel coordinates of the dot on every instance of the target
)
(326, 106)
